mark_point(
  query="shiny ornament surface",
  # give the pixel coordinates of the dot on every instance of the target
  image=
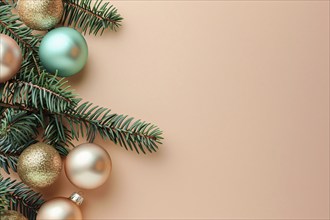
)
(59, 209)
(39, 165)
(88, 166)
(40, 14)
(64, 50)
(11, 215)
(10, 58)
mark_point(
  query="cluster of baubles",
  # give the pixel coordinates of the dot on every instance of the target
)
(62, 51)
(87, 166)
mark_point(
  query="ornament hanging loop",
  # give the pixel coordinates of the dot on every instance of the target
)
(77, 198)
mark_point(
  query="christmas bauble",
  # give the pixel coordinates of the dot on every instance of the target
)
(10, 58)
(40, 14)
(39, 165)
(11, 215)
(61, 208)
(88, 166)
(64, 50)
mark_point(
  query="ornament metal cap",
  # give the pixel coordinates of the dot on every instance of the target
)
(77, 198)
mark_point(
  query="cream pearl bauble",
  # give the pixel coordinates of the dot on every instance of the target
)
(88, 166)
(61, 208)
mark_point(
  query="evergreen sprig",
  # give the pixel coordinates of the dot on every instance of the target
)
(42, 91)
(18, 127)
(87, 121)
(91, 16)
(20, 197)
(8, 161)
(117, 128)
(57, 135)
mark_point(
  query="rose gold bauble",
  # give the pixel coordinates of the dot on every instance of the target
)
(10, 58)
(61, 209)
(88, 166)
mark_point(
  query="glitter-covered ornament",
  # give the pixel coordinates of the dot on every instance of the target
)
(10, 58)
(39, 165)
(11, 215)
(63, 50)
(61, 208)
(40, 14)
(88, 166)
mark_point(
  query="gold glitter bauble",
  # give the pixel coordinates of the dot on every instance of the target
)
(11, 215)
(39, 165)
(40, 14)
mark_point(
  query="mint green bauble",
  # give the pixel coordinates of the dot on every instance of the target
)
(64, 50)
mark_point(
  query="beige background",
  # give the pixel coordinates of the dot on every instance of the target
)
(241, 90)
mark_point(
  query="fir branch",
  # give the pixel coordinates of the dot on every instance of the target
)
(8, 162)
(117, 128)
(13, 27)
(17, 107)
(40, 92)
(2, 112)
(91, 16)
(95, 120)
(18, 128)
(20, 197)
(57, 135)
